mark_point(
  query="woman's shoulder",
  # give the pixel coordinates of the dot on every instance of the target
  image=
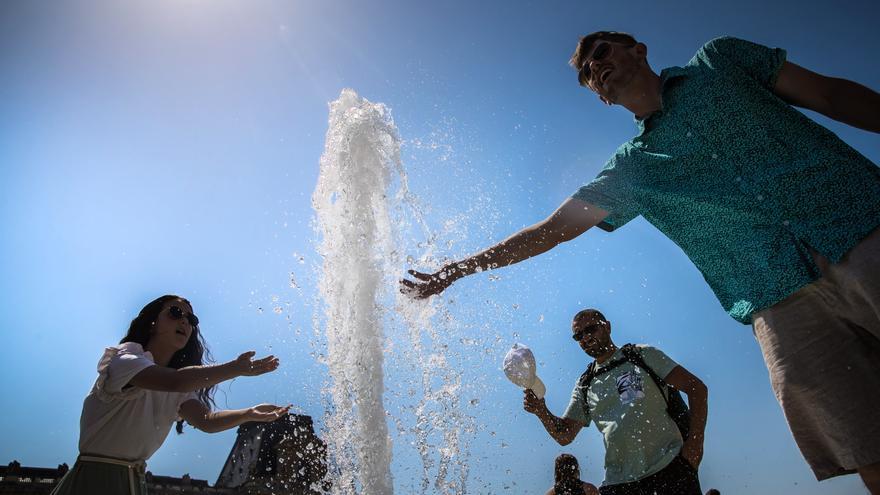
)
(590, 489)
(128, 348)
(117, 366)
(125, 350)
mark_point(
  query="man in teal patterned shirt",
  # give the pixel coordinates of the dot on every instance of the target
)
(779, 215)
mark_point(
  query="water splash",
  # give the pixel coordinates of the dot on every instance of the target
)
(364, 211)
(350, 201)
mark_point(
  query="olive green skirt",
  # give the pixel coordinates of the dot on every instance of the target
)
(90, 476)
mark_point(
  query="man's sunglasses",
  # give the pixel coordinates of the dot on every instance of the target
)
(176, 313)
(586, 331)
(601, 52)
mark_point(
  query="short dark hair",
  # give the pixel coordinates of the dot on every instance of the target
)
(589, 312)
(579, 57)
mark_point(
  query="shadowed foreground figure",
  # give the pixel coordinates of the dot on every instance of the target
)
(567, 478)
(779, 215)
(652, 444)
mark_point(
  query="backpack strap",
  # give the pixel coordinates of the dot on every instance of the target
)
(591, 373)
(633, 355)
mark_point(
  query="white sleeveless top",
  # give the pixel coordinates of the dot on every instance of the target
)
(128, 424)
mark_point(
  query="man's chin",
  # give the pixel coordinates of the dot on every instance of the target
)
(596, 352)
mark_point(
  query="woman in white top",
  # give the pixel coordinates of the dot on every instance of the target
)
(154, 377)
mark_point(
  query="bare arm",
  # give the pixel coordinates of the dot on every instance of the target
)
(563, 430)
(194, 378)
(571, 219)
(839, 99)
(698, 402)
(196, 414)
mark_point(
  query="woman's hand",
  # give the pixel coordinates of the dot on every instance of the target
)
(266, 413)
(245, 365)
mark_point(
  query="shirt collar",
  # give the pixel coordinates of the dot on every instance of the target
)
(666, 75)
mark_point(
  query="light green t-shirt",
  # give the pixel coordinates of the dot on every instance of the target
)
(630, 412)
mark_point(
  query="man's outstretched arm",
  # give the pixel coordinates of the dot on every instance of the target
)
(570, 220)
(838, 99)
(563, 430)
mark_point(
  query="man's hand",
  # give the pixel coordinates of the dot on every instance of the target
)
(427, 285)
(532, 404)
(692, 452)
(561, 429)
(245, 365)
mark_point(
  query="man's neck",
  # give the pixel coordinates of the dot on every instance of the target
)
(607, 354)
(643, 96)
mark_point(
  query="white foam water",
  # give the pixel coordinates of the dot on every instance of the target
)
(350, 201)
(363, 207)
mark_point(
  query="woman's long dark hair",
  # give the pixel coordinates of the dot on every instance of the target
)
(194, 353)
(567, 476)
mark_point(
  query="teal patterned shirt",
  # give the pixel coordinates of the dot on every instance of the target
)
(741, 181)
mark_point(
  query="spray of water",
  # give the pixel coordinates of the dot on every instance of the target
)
(350, 201)
(363, 211)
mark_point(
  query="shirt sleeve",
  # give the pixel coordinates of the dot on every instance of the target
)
(119, 365)
(611, 191)
(577, 407)
(184, 398)
(657, 360)
(756, 61)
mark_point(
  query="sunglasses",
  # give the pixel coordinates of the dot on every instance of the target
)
(176, 313)
(577, 336)
(601, 52)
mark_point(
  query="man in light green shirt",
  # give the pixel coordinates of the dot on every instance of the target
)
(644, 449)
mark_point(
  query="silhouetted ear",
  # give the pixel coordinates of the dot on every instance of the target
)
(641, 51)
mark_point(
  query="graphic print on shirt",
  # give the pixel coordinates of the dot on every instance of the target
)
(629, 386)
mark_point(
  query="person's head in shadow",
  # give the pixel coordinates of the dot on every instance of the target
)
(567, 477)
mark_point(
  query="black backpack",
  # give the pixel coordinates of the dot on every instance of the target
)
(675, 404)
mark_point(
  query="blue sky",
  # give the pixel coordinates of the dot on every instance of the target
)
(173, 146)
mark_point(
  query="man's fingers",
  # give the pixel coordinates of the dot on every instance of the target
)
(425, 277)
(408, 283)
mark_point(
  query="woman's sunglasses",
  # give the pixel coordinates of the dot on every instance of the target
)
(176, 313)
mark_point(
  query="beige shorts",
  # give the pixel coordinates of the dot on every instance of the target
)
(822, 349)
